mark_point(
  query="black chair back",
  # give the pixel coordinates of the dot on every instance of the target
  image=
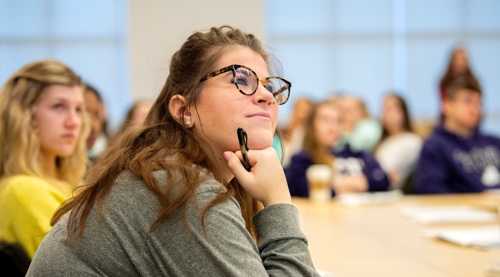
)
(13, 260)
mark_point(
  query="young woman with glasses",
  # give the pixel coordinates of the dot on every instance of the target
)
(173, 198)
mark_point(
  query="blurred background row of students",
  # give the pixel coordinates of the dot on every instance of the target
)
(376, 154)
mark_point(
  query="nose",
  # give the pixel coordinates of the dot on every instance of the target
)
(73, 119)
(263, 96)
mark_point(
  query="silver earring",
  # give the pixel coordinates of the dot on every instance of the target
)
(187, 123)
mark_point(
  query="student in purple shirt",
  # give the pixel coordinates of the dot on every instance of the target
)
(354, 171)
(457, 157)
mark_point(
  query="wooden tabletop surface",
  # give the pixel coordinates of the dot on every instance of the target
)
(376, 240)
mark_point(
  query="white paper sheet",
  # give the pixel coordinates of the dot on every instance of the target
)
(368, 198)
(484, 237)
(449, 214)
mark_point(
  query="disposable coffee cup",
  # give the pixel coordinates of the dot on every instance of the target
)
(319, 178)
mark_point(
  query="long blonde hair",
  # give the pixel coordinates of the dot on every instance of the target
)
(298, 118)
(162, 143)
(20, 144)
(319, 153)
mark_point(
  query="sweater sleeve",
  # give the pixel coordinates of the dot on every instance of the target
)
(229, 250)
(296, 174)
(282, 246)
(431, 173)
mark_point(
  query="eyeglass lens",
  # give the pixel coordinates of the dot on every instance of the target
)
(278, 88)
(246, 81)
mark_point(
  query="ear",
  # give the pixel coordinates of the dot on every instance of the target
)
(179, 109)
(445, 106)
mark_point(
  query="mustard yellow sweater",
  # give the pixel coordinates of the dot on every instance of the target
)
(27, 205)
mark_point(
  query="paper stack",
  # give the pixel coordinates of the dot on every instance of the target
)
(368, 198)
(467, 235)
(448, 214)
(493, 269)
(485, 238)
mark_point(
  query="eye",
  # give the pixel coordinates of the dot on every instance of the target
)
(240, 81)
(58, 106)
(270, 87)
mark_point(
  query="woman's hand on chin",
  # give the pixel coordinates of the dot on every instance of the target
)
(266, 181)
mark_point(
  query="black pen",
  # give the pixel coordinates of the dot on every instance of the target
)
(243, 140)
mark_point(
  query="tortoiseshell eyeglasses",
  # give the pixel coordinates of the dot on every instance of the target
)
(247, 81)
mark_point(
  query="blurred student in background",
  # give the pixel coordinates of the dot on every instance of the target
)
(42, 155)
(399, 147)
(458, 66)
(294, 133)
(359, 130)
(457, 157)
(136, 115)
(354, 171)
(98, 138)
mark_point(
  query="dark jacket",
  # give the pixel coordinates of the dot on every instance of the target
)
(346, 162)
(449, 163)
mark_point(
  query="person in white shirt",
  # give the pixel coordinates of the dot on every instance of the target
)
(399, 147)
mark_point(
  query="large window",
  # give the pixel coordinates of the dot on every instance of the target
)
(369, 48)
(90, 36)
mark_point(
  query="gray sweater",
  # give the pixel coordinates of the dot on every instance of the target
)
(121, 244)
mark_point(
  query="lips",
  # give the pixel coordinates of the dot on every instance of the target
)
(261, 114)
(68, 136)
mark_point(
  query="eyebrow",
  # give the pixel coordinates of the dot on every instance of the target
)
(67, 100)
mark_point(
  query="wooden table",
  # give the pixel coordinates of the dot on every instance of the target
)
(376, 240)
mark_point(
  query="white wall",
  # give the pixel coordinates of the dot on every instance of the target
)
(158, 28)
